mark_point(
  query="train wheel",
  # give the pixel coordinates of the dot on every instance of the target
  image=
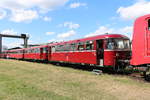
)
(147, 74)
(147, 77)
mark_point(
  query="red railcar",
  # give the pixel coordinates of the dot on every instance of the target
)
(36, 53)
(33, 53)
(3, 54)
(141, 41)
(111, 50)
(141, 45)
(102, 50)
(17, 54)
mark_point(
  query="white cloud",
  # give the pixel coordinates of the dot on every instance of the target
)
(141, 7)
(14, 44)
(20, 7)
(70, 25)
(2, 13)
(9, 31)
(77, 4)
(23, 15)
(47, 19)
(128, 30)
(50, 33)
(55, 40)
(26, 4)
(101, 30)
(67, 34)
(11, 43)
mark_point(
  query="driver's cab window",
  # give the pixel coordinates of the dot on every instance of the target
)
(149, 24)
(110, 44)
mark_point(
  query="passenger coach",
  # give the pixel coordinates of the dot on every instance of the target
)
(109, 50)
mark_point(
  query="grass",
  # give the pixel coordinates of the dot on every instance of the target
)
(20, 80)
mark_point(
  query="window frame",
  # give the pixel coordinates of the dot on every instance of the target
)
(91, 44)
(81, 44)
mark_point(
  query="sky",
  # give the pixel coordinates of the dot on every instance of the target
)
(62, 20)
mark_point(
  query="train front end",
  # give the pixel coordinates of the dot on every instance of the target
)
(117, 52)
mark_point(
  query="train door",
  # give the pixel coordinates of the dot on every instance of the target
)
(148, 38)
(41, 53)
(23, 53)
(46, 53)
(49, 53)
(100, 52)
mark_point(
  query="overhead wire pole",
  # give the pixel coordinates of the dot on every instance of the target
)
(23, 36)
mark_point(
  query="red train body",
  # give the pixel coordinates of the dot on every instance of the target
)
(98, 50)
(111, 50)
(102, 50)
(36, 53)
(141, 41)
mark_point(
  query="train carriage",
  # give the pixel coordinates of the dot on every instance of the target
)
(36, 53)
(101, 50)
(15, 54)
(3, 54)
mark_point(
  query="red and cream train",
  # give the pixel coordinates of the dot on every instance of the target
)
(108, 50)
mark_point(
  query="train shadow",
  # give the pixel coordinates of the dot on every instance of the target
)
(85, 67)
(89, 68)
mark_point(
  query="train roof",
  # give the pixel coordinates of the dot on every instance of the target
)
(144, 17)
(92, 38)
(25, 48)
(14, 50)
(42, 46)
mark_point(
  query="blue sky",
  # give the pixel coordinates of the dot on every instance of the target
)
(58, 20)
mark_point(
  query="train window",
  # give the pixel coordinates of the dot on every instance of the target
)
(81, 46)
(19, 52)
(32, 50)
(62, 48)
(110, 44)
(118, 44)
(36, 50)
(149, 24)
(89, 45)
(27, 51)
(59, 48)
(53, 49)
(67, 47)
(56, 48)
(72, 47)
(44, 50)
